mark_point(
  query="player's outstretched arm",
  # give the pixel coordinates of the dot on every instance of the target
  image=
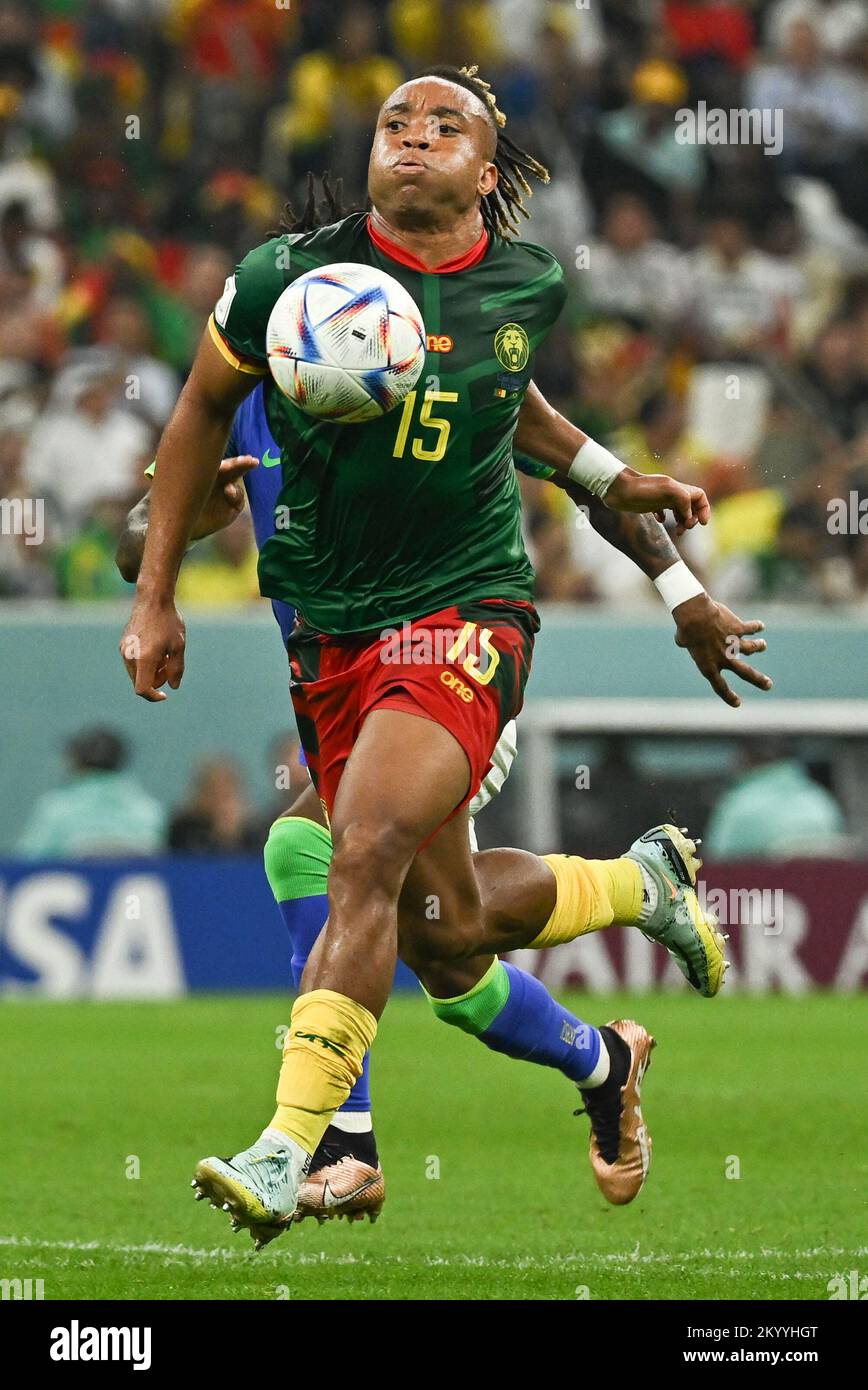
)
(188, 459)
(713, 635)
(639, 536)
(717, 640)
(547, 435)
(225, 502)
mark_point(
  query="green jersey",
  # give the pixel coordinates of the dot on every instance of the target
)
(418, 510)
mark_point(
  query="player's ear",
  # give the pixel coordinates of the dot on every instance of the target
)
(487, 180)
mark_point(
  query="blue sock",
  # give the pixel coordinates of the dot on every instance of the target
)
(304, 919)
(512, 1012)
(297, 857)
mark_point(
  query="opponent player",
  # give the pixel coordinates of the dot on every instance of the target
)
(345, 1178)
(374, 543)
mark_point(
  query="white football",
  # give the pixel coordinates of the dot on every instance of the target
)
(345, 343)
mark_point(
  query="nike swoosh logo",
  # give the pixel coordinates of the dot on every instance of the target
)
(330, 1200)
(673, 891)
(270, 460)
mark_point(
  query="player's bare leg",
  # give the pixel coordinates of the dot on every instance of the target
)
(380, 817)
(346, 1181)
(522, 892)
(519, 893)
(519, 896)
(404, 777)
(533, 901)
(512, 1012)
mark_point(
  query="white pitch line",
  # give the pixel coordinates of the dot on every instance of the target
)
(295, 1256)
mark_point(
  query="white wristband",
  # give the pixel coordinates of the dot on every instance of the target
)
(595, 468)
(676, 585)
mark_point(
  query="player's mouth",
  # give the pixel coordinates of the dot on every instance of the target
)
(410, 166)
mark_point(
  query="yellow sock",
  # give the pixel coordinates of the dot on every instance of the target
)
(624, 888)
(328, 1037)
(591, 894)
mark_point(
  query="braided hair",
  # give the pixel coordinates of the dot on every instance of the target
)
(501, 208)
(315, 213)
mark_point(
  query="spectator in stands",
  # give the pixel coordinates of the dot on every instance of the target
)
(23, 571)
(799, 567)
(288, 776)
(33, 69)
(25, 251)
(740, 301)
(217, 817)
(811, 277)
(23, 178)
(709, 33)
(838, 23)
(118, 239)
(333, 96)
(773, 810)
(558, 579)
(826, 114)
(660, 432)
(519, 27)
(149, 387)
(221, 571)
(840, 383)
(437, 31)
(28, 331)
(84, 448)
(630, 272)
(103, 811)
(636, 146)
(180, 314)
(84, 564)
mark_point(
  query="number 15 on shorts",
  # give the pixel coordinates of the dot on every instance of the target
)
(473, 640)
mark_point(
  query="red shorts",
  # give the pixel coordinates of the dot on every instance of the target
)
(465, 668)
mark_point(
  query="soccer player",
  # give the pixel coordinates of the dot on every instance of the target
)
(345, 1177)
(416, 521)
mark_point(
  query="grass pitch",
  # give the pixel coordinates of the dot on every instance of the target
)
(106, 1108)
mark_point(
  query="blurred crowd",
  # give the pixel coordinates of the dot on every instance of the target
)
(101, 809)
(717, 324)
(769, 803)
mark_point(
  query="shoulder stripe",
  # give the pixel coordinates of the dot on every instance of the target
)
(301, 256)
(241, 364)
(504, 299)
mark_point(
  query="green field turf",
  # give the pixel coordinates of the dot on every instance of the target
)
(514, 1214)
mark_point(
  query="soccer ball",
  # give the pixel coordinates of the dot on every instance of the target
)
(345, 343)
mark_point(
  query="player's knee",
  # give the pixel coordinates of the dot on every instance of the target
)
(297, 855)
(425, 943)
(370, 858)
(417, 949)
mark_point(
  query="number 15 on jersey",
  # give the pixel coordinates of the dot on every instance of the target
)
(426, 447)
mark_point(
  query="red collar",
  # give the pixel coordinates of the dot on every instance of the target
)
(398, 253)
